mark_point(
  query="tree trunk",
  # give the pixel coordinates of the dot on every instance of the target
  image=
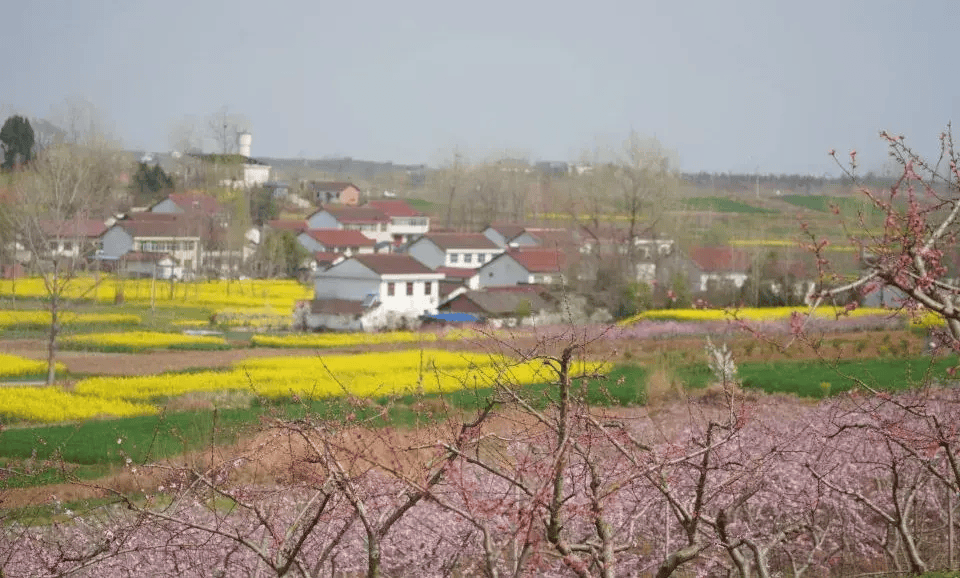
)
(52, 338)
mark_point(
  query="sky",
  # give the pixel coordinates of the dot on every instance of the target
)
(746, 86)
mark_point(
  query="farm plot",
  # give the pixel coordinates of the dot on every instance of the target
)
(362, 375)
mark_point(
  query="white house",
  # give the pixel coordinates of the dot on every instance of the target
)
(463, 250)
(368, 220)
(406, 223)
(523, 266)
(380, 291)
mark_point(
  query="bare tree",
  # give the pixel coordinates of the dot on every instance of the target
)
(224, 127)
(66, 190)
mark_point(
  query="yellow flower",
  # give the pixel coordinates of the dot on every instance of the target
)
(141, 341)
(14, 367)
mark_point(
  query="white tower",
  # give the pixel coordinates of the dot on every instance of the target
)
(245, 139)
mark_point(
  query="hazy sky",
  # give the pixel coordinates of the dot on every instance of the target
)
(731, 85)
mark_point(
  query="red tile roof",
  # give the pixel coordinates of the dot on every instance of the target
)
(348, 214)
(336, 307)
(328, 257)
(393, 264)
(340, 238)
(163, 228)
(448, 241)
(549, 237)
(295, 225)
(720, 259)
(87, 228)
(508, 230)
(456, 272)
(540, 260)
(196, 201)
(395, 208)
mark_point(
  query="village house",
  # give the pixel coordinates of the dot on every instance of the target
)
(368, 220)
(72, 239)
(180, 236)
(406, 223)
(523, 266)
(464, 250)
(719, 267)
(328, 192)
(508, 305)
(371, 292)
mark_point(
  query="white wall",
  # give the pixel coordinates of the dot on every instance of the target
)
(415, 304)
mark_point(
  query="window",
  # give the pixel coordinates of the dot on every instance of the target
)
(390, 289)
(428, 288)
(409, 288)
(454, 257)
(481, 257)
(468, 257)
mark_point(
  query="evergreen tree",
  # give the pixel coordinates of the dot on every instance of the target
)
(16, 140)
(150, 183)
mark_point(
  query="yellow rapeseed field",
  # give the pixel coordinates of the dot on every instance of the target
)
(331, 340)
(40, 318)
(129, 341)
(52, 404)
(747, 313)
(365, 375)
(326, 340)
(15, 367)
(279, 294)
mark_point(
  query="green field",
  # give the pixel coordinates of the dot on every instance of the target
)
(825, 203)
(722, 205)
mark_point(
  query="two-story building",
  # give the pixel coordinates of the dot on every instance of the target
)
(179, 236)
(406, 223)
(368, 220)
(72, 239)
(369, 292)
(464, 250)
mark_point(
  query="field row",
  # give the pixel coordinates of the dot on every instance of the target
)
(362, 375)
